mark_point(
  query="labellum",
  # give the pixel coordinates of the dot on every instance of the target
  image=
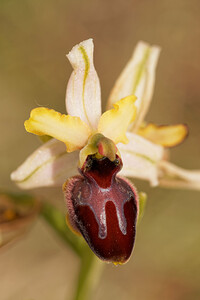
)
(103, 207)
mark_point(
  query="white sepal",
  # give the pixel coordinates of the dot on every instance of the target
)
(140, 158)
(49, 165)
(83, 95)
(138, 78)
(172, 176)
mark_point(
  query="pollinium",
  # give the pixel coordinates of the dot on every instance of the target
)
(103, 207)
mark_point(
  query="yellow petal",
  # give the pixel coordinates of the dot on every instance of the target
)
(114, 122)
(138, 78)
(70, 130)
(167, 136)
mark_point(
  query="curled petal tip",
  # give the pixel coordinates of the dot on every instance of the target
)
(74, 56)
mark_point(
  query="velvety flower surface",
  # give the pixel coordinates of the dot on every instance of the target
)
(103, 206)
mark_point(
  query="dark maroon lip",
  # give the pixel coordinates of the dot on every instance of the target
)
(115, 246)
(103, 207)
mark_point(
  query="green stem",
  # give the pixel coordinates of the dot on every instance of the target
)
(89, 275)
(90, 265)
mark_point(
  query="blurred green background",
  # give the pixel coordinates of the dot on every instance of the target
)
(35, 35)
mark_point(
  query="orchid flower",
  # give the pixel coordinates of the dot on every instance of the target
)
(102, 206)
(145, 156)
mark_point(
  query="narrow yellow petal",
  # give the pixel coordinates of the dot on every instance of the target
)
(167, 136)
(114, 122)
(65, 128)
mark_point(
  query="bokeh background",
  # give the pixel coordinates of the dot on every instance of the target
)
(35, 35)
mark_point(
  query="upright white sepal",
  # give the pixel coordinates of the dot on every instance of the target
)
(83, 95)
(138, 78)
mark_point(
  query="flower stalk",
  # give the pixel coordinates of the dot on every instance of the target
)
(89, 274)
(90, 265)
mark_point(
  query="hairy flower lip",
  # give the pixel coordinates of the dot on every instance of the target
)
(103, 209)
